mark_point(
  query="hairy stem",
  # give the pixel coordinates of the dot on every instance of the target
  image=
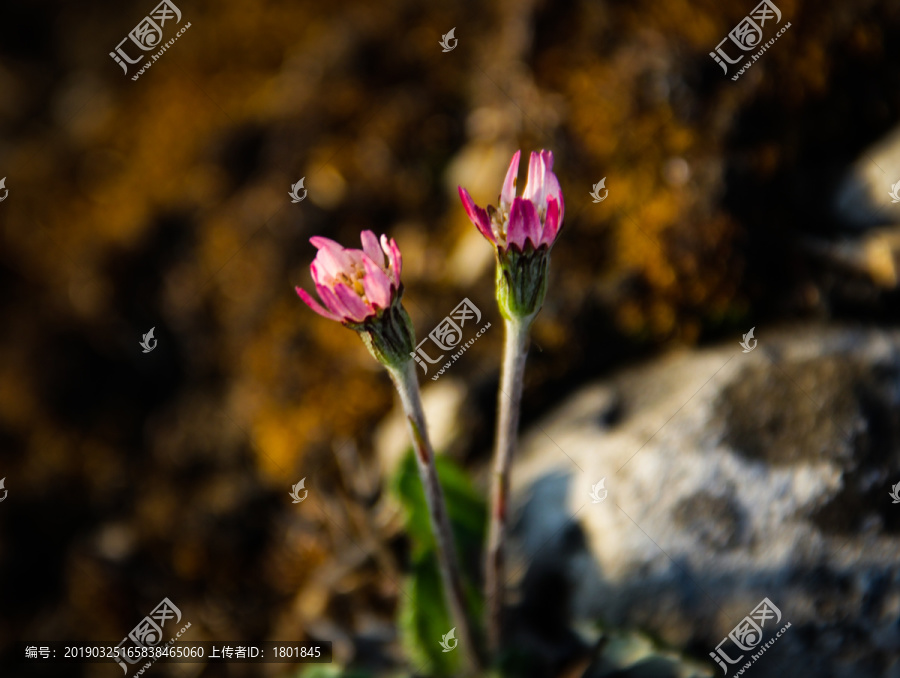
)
(404, 379)
(509, 399)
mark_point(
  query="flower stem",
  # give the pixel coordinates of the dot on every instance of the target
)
(404, 378)
(509, 399)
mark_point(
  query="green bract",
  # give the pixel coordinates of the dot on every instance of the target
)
(522, 281)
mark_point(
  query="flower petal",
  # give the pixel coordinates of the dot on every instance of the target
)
(376, 284)
(552, 223)
(315, 305)
(477, 215)
(551, 188)
(331, 301)
(552, 191)
(547, 157)
(523, 224)
(509, 184)
(534, 189)
(357, 309)
(319, 276)
(332, 258)
(394, 257)
(371, 248)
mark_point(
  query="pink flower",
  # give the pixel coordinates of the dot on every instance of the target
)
(354, 285)
(536, 217)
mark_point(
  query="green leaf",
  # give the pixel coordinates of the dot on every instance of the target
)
(408, 489)
(465, 507)
(424, 618)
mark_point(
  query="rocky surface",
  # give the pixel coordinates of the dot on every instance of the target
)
(731, 477)
(867, 218)
(866, 194)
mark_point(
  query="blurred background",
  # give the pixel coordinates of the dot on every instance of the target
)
(163, 203)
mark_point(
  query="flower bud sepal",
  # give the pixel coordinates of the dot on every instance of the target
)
(522, 281)
(389, 335)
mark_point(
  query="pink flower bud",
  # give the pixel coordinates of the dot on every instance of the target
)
(523, 230)
(536, 217)
(354, 285)
(361, 289)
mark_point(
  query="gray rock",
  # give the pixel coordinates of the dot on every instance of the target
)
(864, 196)
(731, 477)
(867, 201)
